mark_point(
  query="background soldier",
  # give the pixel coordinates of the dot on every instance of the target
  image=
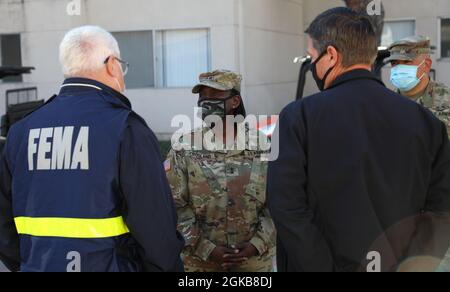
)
(220, 195)
(411, 66)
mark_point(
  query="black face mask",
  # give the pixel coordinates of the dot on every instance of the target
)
(320, 82)
(213, 107)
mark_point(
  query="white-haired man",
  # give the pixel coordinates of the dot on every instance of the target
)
(82, 186)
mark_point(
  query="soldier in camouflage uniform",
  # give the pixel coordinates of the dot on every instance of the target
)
(415, 51)
(220, 195)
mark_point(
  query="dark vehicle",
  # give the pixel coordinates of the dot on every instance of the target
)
(19, 102)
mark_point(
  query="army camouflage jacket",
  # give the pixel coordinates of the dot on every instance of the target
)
(437, 99)
(220, 198)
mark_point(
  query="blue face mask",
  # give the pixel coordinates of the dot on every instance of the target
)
(404, 77)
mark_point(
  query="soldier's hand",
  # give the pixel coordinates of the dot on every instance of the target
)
(246, 251)
(219, 254)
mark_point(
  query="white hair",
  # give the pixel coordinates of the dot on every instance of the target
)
(85, 49)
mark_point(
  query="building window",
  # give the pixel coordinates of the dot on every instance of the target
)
(136, 47)
(445, 38)
(396, 30)
(165, 59)
(181, 55)
(11, 54)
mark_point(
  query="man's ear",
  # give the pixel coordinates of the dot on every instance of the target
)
(111, 67)
(334, 55)
(428, 64)
(236, 101)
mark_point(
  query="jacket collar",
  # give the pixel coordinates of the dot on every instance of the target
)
(76, 85)
(356, 74)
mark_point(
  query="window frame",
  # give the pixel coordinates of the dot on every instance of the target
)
(440, 57)
(158, 71)
(159, 64)
(402, 19)
(152, 31)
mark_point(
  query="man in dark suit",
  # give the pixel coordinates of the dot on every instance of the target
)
(362, 181)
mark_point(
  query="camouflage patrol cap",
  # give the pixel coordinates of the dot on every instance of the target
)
(409, 49)
(220, 79)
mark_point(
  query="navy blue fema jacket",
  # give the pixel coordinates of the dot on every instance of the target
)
(82, 188)
(360, 169)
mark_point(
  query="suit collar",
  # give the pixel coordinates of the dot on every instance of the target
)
(77, 85)
(353, 75)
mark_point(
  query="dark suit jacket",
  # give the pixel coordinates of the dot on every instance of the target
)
(360, 169)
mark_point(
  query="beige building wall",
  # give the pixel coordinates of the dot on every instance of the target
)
(257, 37)
(272, 38)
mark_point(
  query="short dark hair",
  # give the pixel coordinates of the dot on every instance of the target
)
(351, 33)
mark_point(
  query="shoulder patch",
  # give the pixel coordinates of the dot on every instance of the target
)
(167, 165)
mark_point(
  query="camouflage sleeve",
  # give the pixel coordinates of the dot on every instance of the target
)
(441, 106)
(177, 176)
(265, 238)
(444, 116)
